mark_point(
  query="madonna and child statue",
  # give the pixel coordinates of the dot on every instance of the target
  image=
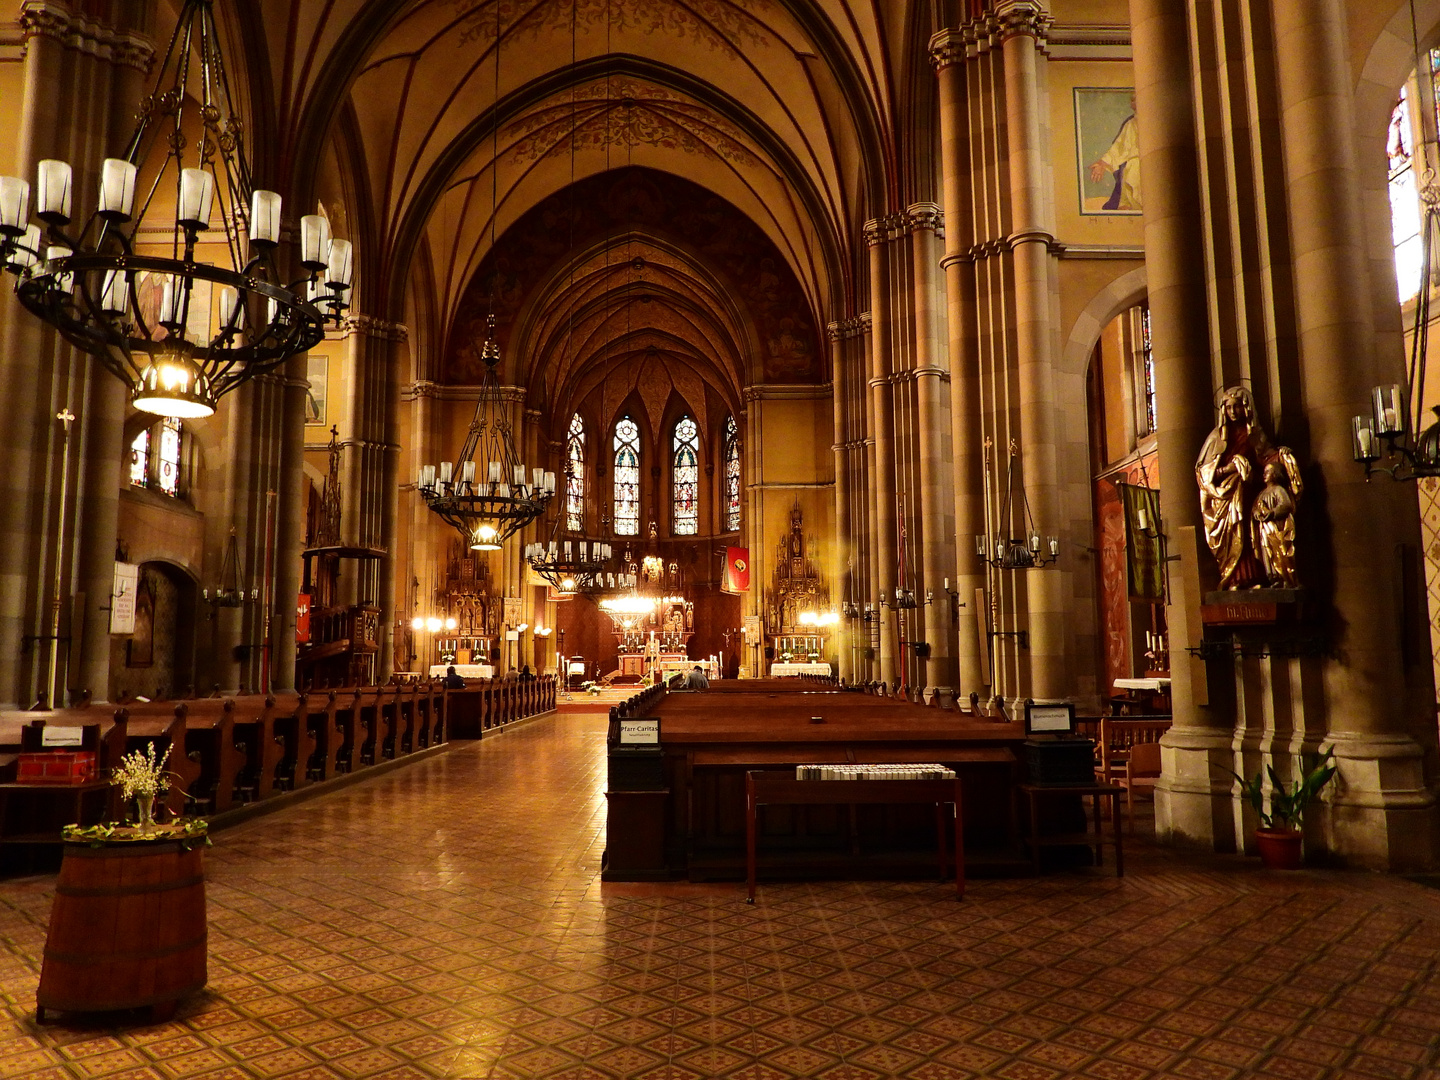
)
(1249, 492)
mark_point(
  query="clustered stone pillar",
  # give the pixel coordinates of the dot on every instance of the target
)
(1383, 811)
(937, 500)
(948, 51)
(1193, 803)
(881, 425)
(82, 83)
(842, 550)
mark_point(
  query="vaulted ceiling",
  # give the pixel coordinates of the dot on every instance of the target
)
(412, 119)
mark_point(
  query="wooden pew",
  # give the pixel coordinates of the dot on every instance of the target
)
(292, 728)
(349, 731)
(439, 714)
(367, 712)
(388, 707)
(255, 736)
(405, 736)
(210, 740)
(318, 707)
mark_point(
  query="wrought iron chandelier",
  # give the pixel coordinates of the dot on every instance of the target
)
(1025, 552)
(1396, 417)
(570, 566)
(487, 509)
(179, 332)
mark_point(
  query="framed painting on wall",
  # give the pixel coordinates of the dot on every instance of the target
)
(317, 373)
(1107, 150)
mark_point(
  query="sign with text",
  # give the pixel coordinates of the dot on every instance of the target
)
(1042, 719)
(61, 736)
(640, 732)
(122, 598)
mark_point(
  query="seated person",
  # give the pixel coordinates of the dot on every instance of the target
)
(453, 681)
(526, 675)
(696, 680)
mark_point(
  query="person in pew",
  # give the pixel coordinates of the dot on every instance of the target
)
(696, 680)
(453, 680)
(526, 675)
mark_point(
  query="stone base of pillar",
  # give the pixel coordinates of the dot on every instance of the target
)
(1194, 802)
(1378, 813)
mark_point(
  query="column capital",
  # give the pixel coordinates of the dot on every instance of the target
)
(46, 18)
(926, 215)
(370, 326)
(948, 47)
(882, 230)
(849, 328)
(1022, 18)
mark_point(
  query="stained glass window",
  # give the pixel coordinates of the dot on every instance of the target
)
(1404, 198)
(575, 475)
(732, 475)
(140, 459)
(627, 478)
(169, 464)
(686, 481)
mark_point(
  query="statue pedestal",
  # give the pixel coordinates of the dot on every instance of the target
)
(1250, 607)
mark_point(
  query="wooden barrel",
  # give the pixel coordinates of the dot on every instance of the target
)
(127, 927)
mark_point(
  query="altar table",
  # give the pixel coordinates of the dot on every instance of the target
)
(782, 670)
(465, 671)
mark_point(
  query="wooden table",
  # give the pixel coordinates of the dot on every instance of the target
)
(1096, 792)
(763, 788)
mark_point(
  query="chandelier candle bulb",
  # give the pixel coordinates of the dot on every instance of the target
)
(53, 197)
(467, 472)
(172, 306)
(114, 294)
(339, 265)
(1364, 432)
(567, 551)
(232, 311)
(264, 217)
(502, 491)
(26, 257)
(446, 471)
(1054, 544)
(14, 205)
(117, 189)
(494, 474)
(1389, 409)
(314, 241)
(197, 195)
(519, 476)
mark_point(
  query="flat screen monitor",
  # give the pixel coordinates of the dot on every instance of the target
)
(1057, 719)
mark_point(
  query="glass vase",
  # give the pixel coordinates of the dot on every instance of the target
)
(145, 810)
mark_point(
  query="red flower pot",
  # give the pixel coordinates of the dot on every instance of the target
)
(1279, 848)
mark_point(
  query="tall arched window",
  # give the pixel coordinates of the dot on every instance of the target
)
(575, 475)
(685, 508)
(140, 460)
(169, 471)
(1404, 197)
(732, 475)
(627, 478)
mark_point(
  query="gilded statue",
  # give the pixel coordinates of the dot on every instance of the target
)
(1249, 491)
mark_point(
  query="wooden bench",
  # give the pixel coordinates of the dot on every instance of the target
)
(210, 741)
(769, 788)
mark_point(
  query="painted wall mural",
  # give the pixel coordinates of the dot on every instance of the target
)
(1107, 147)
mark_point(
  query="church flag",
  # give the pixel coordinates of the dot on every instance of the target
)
(737, 570)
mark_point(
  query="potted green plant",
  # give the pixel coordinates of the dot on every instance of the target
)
(1278, 839)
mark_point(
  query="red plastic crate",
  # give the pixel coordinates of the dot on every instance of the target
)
(57, 767)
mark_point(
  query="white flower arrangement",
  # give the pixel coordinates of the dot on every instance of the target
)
(140, 775)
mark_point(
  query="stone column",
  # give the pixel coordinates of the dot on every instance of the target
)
(881, 422)
(1023, 26)
(937, 500)
(843, 546)
(290, 523)
(1383, 811)
(1192, 800)
(947, 52)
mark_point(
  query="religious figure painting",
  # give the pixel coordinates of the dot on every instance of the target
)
(1107, 147)
(317, 373)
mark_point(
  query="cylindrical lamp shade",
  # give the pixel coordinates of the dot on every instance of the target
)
(14, 205)
(1366, 447)
(52, 197)
(197, 194)
(467, 472)
(340, 264)
(1389, 407)
(114, 293)
(27, 251)
(264, 217)
(172, 305)
(314, 241)
(117, 189)
(446, 471)
(232, 311)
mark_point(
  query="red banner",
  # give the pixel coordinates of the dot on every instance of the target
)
(302, 620)
(737, 570)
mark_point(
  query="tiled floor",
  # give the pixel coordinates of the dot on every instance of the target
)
(448, 920)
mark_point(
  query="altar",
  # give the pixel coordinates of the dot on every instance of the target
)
(639, 663)
(781, 670)
(685, 666)
(465, 671)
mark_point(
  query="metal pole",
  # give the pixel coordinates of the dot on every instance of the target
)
(66, 417)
